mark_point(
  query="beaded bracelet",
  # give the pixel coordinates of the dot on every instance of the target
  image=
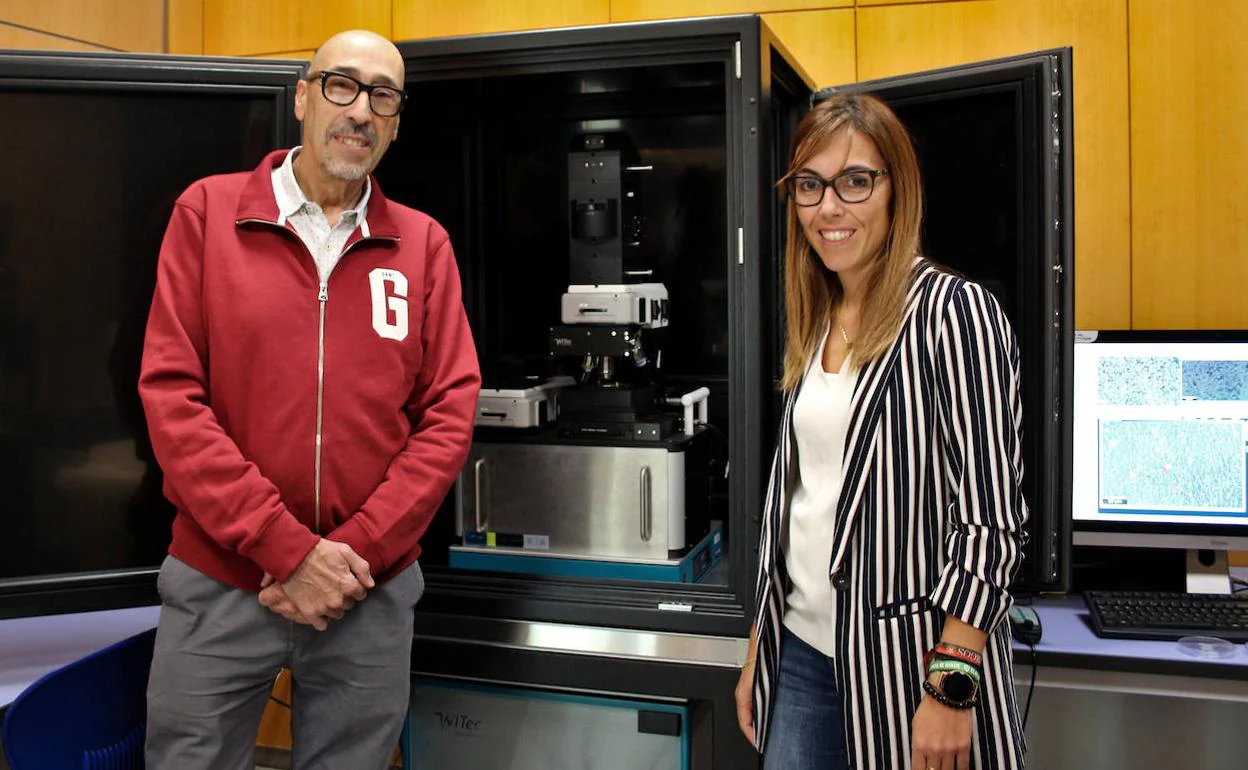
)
(940, 697)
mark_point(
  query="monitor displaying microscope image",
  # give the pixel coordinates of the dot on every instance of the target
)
(1160, 437)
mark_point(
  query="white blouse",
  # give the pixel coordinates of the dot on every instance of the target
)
(820, 424)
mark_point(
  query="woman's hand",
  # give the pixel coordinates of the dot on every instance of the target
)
(940, 737)
(745, 690)
(745, 701)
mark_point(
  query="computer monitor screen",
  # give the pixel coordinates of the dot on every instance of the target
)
(1160, 430)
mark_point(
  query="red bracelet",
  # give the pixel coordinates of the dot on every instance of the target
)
(959, 653)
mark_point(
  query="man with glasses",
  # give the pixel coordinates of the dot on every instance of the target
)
(309, 380)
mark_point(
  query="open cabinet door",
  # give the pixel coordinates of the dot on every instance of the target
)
(98, 147)
(994, 146)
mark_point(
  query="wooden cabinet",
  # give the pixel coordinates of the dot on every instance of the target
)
(1189, 164)
(909, 38)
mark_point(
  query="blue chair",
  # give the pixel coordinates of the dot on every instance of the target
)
(88, 715)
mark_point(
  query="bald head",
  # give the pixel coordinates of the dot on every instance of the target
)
(347, 123)
(356, 43)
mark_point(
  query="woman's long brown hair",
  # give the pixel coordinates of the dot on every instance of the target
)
(812, 291)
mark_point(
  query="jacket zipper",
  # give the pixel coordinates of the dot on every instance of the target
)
(322, 298)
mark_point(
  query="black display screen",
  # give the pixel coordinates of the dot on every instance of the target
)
(92, 174)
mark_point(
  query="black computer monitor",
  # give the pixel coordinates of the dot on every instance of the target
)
(1160, 430)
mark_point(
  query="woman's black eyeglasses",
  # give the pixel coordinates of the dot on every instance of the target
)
(853, 186)
(342, 90)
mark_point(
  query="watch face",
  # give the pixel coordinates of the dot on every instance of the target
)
(957, 686)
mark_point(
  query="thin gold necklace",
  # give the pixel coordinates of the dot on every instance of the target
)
(844, 334)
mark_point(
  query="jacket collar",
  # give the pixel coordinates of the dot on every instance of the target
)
(257, 202)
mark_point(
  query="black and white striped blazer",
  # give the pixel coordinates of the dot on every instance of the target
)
(929, 522)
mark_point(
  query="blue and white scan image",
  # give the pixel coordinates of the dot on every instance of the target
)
(1172, 465)
(1139, 380)
(1215, 380)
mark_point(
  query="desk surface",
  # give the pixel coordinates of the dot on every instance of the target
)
(32, 647)
(1068, 641)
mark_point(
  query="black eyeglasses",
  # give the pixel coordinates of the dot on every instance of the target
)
(853, 186)
(342, 90)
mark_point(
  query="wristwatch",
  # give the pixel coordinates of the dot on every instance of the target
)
(957, 687)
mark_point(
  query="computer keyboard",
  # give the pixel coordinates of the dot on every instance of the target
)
(1167, 615)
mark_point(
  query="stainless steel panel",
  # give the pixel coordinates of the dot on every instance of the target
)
(589, 500)
(1128, 721)
(719, 651)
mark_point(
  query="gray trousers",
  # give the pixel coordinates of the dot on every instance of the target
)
(218, 653)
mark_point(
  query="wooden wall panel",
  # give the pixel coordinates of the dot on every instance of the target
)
(865, 3)
(644, 10)
(243, 27)
(909, 38)
(418, 19)
(822, 41)
(16, 37)
(126, 25)
(185, 26)
(1189, 164)
(304, 55)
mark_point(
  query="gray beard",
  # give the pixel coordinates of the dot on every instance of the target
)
(340, 169)
(347, 172)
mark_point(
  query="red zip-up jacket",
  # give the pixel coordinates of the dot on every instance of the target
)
(283, 410)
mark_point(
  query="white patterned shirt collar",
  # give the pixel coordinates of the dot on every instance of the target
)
(291, 200)
(307, 219)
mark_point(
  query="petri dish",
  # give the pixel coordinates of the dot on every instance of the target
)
(1207, 647)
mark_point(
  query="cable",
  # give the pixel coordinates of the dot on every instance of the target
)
(1031, 688)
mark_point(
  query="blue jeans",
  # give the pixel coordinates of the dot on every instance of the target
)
(805, 729)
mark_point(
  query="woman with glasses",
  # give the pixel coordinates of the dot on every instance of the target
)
(893, 523)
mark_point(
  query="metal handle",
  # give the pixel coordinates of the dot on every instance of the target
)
(645, 503)
(477, 467)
